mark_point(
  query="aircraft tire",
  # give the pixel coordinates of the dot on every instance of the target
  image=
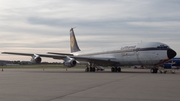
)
(115, 69)
(118, 69)
(151, 70)
(112, 69)
(91, 69)
(87, 69)
(154, 70)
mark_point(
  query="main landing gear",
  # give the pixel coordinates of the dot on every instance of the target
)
(90, 68)
(115, 69)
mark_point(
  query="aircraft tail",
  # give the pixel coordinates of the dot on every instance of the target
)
(73, 43)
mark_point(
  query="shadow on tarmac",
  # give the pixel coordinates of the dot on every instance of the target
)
(79, 71)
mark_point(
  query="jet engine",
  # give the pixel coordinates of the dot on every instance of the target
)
(36, 59)
(70, 62)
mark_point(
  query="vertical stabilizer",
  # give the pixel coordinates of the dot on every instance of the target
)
(73, 43)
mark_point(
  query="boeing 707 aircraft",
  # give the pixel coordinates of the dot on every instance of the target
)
(144, 53)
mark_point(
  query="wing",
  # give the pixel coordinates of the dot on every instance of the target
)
(41, 55)
(97, 60)
(24, 54)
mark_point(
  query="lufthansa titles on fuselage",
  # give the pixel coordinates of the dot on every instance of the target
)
(128, 47)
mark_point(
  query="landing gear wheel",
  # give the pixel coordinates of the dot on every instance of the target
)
(118, 69)
(87, 69)
(112, 69)
(151, 70)
(115, 69)
(91, 69)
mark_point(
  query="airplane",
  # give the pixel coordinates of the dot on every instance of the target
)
(144, 53)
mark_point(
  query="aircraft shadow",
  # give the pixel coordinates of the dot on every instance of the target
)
(53, 71)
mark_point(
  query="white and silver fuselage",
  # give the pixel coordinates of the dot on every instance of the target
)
(150, 53)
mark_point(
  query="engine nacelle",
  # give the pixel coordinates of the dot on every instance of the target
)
(36, 59)
(70, 63)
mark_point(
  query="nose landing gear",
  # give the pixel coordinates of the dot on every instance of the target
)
(154, 70)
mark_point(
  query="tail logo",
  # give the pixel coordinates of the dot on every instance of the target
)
(72, 41)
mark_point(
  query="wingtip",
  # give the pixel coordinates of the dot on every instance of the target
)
(3, 52)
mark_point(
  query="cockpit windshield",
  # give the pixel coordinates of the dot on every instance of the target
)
(162, 46)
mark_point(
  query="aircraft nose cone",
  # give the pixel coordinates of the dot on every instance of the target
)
(171, 53)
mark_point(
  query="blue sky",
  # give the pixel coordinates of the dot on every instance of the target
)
(39, 26)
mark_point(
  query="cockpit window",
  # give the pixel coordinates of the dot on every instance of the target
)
(162, 47)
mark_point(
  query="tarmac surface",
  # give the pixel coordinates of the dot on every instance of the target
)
(77, 85)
